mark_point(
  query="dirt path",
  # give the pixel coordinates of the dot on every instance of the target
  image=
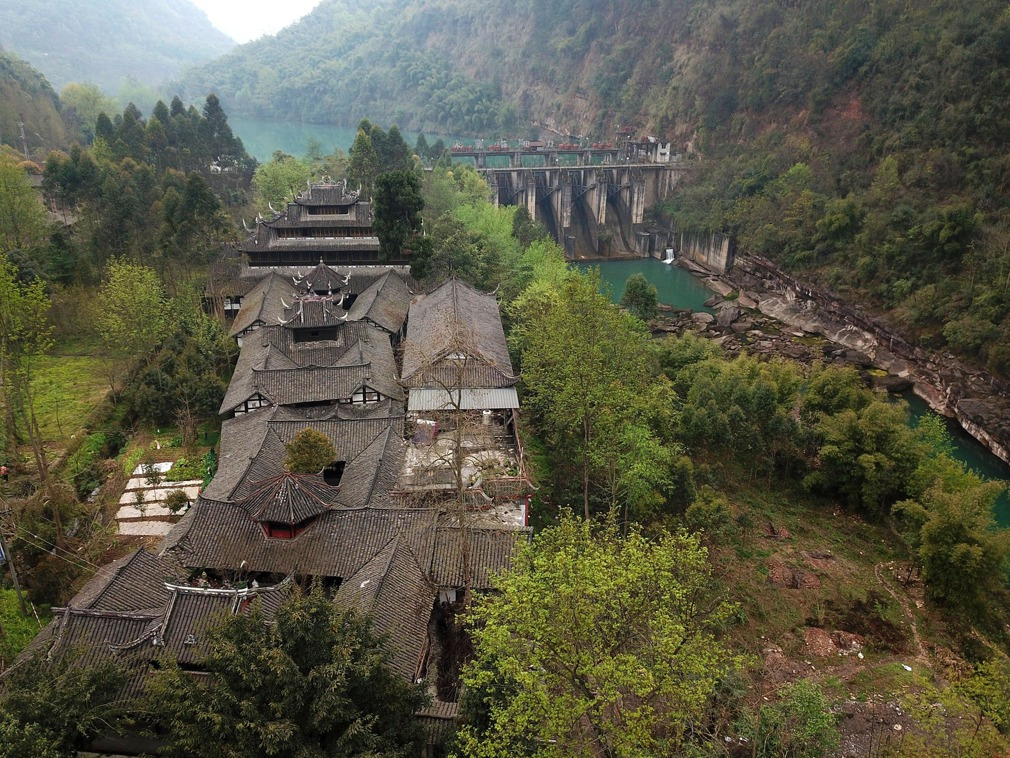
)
(900, 598)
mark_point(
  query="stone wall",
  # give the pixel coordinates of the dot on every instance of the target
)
(715, 251)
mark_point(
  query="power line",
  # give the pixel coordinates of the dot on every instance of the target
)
(46, 546)
(57, 547)
(21, 531)
(54, 554)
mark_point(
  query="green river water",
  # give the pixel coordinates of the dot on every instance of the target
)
(674, 284)
(262, 138)
(680, 289)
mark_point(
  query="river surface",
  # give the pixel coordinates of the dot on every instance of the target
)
(674, 285)
(971, 452)
(261, 138)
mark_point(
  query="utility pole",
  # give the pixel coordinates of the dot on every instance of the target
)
(9, 558)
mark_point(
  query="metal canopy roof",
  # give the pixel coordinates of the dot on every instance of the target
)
(426, 399)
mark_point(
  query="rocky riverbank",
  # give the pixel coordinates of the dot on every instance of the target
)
(763, 311)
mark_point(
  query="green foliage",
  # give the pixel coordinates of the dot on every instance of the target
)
(676, 353)
(22, 217)
(316, 681)
(186, 380)
(989, 688)
(54, 708)
(799, 725)
(744, 406)
(132, 315)
(374, 60)
(195, 227)
(640, 297)
(397, 207)
(152, 191)
(709, 513)
(25, 337)
(594, 643)
(867, 456)
(964, 559)
(277, 181)
(176, 501)
(594, 389)
(309, 452)
(18, 628)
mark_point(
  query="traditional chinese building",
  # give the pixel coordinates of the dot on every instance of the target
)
(326, 221)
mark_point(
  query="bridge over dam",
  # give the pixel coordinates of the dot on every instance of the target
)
(590, 209)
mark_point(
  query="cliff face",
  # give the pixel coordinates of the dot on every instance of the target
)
(26, 97)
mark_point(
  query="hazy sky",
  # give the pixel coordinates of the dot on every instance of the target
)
(245, 20)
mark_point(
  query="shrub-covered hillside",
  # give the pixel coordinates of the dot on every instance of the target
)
(105, 42)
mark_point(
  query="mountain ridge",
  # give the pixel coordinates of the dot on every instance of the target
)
(108, 42)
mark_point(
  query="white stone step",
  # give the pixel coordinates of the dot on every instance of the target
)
(145, 528)
(159, 495)
(132, 512)
(141, 483)
(143, 468)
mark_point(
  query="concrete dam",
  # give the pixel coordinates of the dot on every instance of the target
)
(591, 210)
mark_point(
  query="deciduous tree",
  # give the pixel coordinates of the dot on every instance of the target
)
(595, 645)
(132, 316)
(25, 336)
(640, 297)
(309, 452)
(590, 377)
(22, 217)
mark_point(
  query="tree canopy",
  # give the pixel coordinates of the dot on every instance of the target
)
(309, 452)
(51, 709)
(397, 205)
(594, 644)
(313, 682)
(593, 385)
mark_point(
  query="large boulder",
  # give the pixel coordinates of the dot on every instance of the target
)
(727, 315)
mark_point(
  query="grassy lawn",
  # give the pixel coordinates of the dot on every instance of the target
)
(69, 383)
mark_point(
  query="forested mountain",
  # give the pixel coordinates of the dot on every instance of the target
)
(26, 97)
(105, 42)
(858, 141)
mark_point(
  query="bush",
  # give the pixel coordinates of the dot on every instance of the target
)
(800, 725)
(640, 297)
(177, 501)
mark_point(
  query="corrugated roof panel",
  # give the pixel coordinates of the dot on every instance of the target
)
(427, 399)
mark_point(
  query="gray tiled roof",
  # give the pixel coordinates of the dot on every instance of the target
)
(491, 551)
(252, 445)
(384, 303)
(222, 536)
(264, 304)
(132, 583)
(285, 372)
(455, 319)
(314, 312)
(289, 498)
(322, 278)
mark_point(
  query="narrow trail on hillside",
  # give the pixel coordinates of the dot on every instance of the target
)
(900, 598)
